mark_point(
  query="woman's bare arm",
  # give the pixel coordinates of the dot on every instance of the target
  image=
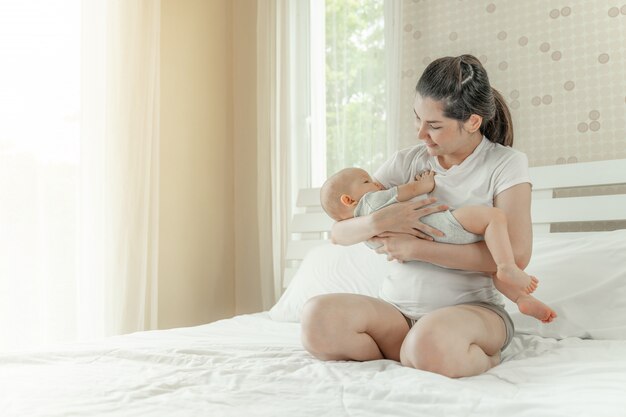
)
(515, 202)
(399, 218)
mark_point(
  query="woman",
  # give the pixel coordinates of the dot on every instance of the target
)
(446, 317)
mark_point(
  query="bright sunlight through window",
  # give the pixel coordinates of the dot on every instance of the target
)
(39, 132)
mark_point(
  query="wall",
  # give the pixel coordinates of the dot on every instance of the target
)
(196, 242)
(561, 66)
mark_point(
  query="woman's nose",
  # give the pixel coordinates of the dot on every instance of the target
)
(421, 132)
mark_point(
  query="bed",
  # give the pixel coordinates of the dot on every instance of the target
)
(254, 365)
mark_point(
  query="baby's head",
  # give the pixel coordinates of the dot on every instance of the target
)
(342, 192)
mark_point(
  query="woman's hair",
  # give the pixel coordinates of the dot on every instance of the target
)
(462, 85)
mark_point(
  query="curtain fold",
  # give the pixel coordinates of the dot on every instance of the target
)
(118, 212)
(273, 122)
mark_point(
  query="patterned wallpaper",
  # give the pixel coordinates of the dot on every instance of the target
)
(560, 64)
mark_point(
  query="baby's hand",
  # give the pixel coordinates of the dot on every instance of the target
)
(424, 174)
(427, 177)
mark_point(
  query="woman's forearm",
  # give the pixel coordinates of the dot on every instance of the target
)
(352, 231)
(471, 257)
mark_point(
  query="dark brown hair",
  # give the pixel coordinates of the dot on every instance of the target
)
(462, 85)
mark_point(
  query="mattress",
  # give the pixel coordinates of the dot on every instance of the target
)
(251, 365)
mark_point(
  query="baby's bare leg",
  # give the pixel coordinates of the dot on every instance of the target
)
(509, 279)
(491, 222)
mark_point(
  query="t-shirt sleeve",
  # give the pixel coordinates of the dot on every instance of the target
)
(512, 171)
(395, 170)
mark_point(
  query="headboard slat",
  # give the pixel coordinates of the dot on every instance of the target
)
(311, 222)
(579, 209)
(582, 174)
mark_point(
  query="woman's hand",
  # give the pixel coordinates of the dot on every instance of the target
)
(405, 218)
(399, 247)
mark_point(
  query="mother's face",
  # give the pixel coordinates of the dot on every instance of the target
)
(441, 135)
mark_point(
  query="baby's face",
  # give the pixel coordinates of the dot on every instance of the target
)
(362, 184)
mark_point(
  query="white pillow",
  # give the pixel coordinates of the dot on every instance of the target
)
(583, 278)
(331, 269)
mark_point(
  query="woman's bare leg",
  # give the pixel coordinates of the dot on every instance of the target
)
(352, 327)
(457, 341)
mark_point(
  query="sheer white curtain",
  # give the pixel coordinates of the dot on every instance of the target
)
(118, 214)
(78, 169)
(273, 137)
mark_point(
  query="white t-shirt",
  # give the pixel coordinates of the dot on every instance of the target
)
(419, 287)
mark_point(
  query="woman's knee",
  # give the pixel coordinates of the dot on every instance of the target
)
(428, 348)
(317, 325)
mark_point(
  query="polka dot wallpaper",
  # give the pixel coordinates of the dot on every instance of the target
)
(561, 65)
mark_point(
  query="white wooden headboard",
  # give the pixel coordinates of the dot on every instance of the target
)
(312, 226)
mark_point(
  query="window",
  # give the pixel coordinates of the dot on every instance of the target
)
(344, 113)
(355, 85)
(39, 150)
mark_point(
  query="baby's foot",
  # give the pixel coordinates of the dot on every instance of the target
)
(428, 178)
(511, 274)
(530, 306)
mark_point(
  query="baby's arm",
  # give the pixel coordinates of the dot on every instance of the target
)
(424, 183)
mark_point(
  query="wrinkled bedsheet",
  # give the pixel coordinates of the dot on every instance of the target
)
(252, 366)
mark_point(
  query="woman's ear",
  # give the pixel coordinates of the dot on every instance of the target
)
(474, 122)
(346, 200)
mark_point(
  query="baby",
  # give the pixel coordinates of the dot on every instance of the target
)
(352, 193)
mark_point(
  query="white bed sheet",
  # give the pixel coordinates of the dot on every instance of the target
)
(253, 366)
